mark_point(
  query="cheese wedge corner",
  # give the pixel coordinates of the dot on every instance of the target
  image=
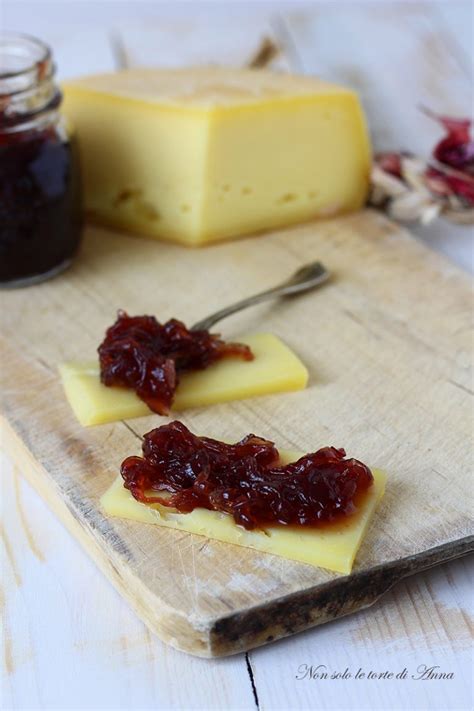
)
(201, 154)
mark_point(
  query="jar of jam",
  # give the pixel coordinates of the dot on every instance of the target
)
(40, 196)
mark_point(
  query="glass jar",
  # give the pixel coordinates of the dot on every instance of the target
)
(40, 196)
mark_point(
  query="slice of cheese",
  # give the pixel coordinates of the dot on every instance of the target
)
(197, 155)
(274, 369)
(333, 547)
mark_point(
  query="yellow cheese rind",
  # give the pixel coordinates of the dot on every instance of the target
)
(204, 154)
(204, 89)
(274, 369)
(333, 547)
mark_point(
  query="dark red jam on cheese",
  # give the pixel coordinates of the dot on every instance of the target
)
(246, 479)
(140, 353)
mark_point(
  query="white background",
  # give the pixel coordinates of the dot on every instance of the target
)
(69, 641)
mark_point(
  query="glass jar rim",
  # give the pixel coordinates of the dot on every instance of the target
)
(33, 60)
(27, 89)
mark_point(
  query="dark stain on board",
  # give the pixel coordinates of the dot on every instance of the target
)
(311, 607)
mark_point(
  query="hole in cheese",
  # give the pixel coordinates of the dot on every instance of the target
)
(286, 198)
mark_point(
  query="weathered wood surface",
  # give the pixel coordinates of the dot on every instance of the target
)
(61, 620)
(387, 345)
(62, 617)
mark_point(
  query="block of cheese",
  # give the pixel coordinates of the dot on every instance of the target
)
(333, 547)
(202, 154)
(274, 369)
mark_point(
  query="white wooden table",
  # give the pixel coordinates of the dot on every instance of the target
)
(69, 641)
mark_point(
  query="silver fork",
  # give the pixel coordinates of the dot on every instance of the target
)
(305, 278)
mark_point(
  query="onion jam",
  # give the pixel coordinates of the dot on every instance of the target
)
(140, 353)
(40, 192)
(246, 479)
(40, 209)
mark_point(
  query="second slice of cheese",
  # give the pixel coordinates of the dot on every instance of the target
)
(333, 547)
(274, 369)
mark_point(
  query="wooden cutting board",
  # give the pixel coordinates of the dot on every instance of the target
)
(388, 347)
